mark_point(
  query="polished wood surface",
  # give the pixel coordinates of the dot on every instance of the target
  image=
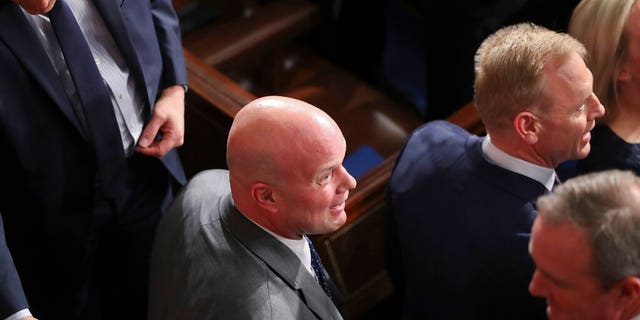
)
(230, 40)
(211, 102)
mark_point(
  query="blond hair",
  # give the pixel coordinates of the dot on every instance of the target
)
(599, 25)
(508, 68)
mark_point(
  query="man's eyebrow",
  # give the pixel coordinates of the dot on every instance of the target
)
(542, 270)
(322, 171)
(328, 167)
(549, 276)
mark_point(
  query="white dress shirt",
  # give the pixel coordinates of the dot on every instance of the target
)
(128, 104)
(299, 246)
(546, 176)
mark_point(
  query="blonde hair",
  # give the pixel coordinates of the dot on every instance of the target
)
(508, 67)
(599, 25)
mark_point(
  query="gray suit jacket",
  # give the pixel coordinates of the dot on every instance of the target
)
(211, 262)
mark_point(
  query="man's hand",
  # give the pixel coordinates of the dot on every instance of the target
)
(168, 119)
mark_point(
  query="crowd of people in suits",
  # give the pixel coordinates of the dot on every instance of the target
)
(99, 222)
(537, 93)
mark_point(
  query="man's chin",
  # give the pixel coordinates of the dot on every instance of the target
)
(337, 220)
(36, 7)
(583, 152)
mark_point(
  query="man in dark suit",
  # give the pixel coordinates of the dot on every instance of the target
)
(234, 244)
(462, 206)
(86, 173)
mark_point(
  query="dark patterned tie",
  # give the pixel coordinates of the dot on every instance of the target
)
(316, 264)
(94, 97)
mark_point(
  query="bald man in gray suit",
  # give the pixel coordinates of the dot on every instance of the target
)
(233, 245)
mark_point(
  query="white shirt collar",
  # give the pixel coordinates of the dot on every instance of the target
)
(544, 175)
(300, 247)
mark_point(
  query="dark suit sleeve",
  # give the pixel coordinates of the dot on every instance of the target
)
(169, 39)
(12, 298)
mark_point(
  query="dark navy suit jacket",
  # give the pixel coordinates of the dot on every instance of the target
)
(461, 226)
(47, 166)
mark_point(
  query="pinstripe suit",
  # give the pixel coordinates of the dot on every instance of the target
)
(53, 224)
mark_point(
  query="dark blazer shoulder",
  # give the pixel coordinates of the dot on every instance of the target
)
(430, 151)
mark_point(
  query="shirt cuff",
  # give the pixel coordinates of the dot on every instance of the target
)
(19, 315)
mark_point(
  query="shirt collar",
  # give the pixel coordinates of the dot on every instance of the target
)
(300, 247)
(544, 175)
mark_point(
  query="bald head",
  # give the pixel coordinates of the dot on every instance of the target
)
(285, 165)
(271, 133)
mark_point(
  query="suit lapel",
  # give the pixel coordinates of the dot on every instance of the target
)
(24, 42)
(110, 12)
(282, 261)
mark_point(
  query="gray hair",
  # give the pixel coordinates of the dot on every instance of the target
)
(606, 206)
(509, 68)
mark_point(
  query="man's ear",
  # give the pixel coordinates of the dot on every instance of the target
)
(263, 195)
(526, 126)
(627, 294)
